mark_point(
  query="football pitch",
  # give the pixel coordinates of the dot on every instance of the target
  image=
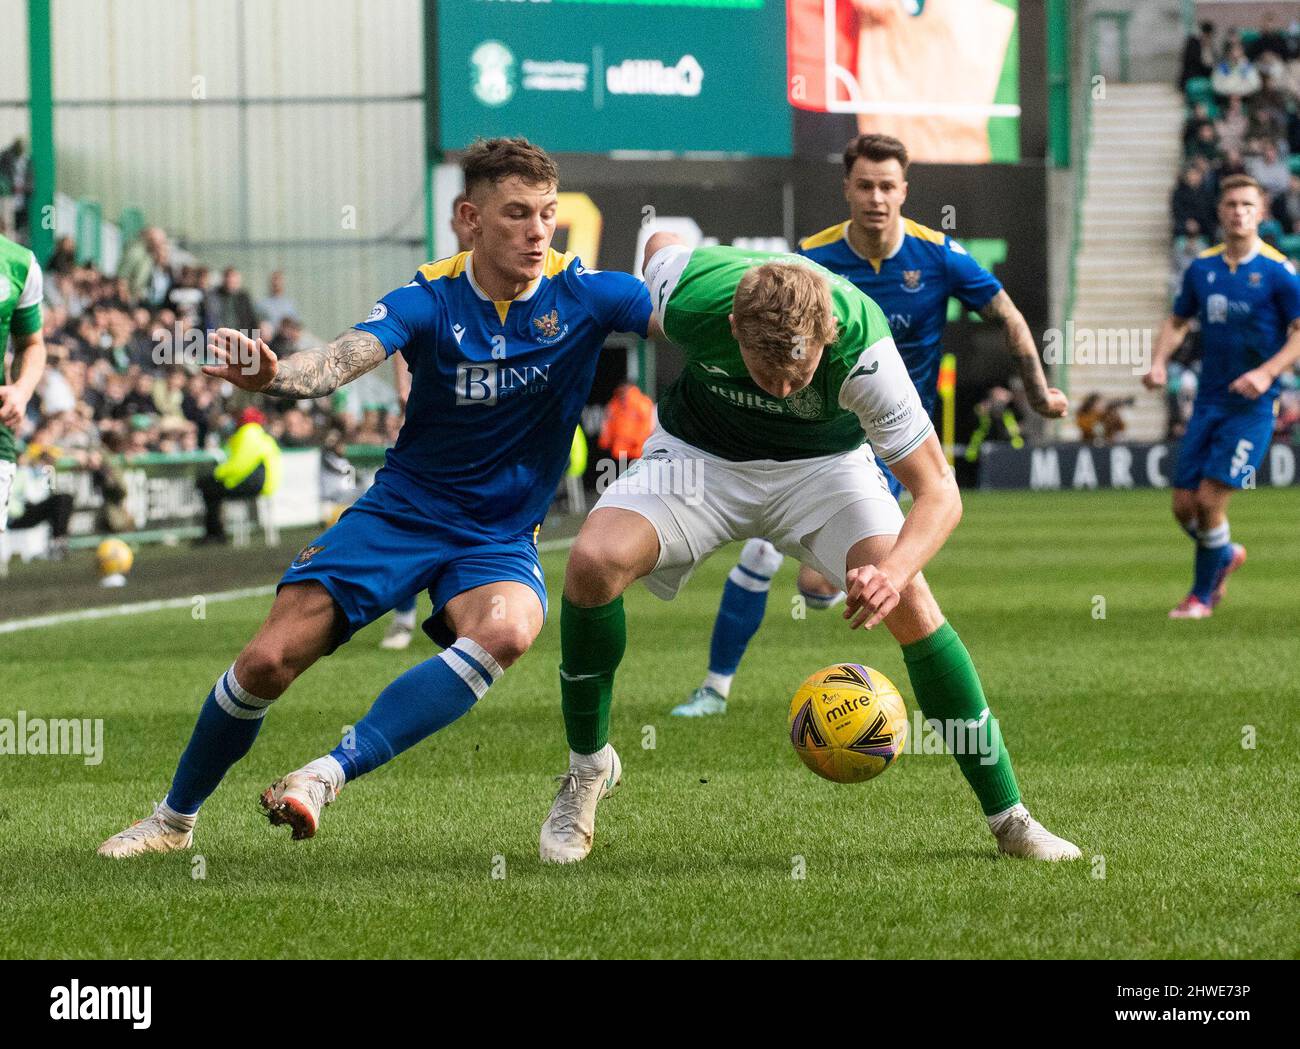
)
(1168, 751)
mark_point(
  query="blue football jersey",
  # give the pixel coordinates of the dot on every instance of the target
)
(496, 387)
(1244, 314)
(912, 286)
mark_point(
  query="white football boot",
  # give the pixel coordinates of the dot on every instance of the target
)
(1019, 834)
(163, 831)
(397, 637)
(296, 801)
(569, 828)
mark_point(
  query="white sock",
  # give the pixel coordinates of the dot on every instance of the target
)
(589, 762)
(328, 769)
(176, 820)
(999, 818)
(1216, 537)
(720, 683)
(406, 620)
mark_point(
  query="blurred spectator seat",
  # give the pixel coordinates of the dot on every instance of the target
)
(241, 515)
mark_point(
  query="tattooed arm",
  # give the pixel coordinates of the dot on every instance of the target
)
(250, 364)
(1047, 401)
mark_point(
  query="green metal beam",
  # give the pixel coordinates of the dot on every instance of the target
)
(432, 145)
(41, 104)
(1059, 70)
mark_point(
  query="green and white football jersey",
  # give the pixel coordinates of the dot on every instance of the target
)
(20, 311)
(861, 386)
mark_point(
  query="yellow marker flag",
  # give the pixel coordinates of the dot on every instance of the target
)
(948, 400)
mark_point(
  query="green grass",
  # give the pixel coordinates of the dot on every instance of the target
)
(1126, 734)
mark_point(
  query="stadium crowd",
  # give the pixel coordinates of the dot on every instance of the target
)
(1242, 88)
(124, 355)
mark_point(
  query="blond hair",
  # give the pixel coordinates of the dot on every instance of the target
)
(783, 316)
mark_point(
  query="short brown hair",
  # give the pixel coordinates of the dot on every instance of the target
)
(782, 312)
(495, 159)
(1239, 182)
(875, 148)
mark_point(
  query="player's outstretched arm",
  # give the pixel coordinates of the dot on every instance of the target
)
(874, 590)
(653, 245)
(1256, 382)
(249, 363)
(1046, 400)
(1172, 333)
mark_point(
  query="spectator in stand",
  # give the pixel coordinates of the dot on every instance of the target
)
(1270, 171)
(1199, 117)
(15, 188)
(1232, 127)
(629, 421)
(251, 469)
(1205, 142)
(1193, 206)
(34, 500)
(230, 306)
(169, 395)
(1099, 420)
(1186, 249)
(200, 405)
(187, 294)
(1286, 206)
(1272, 75)
(1198, 56)
(108, 476)
(1271, 38)
(1235, 75)
(139, 399)
(288, 338)
(63, 260)
(140, 260)
(277, 305)
(1231, 163)
(297, 430)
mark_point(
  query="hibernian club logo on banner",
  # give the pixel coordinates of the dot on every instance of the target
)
(494, 73)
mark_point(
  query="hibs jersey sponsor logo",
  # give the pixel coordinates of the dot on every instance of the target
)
(806, 404)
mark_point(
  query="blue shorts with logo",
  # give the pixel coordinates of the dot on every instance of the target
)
(1225, 444)
(383, 551)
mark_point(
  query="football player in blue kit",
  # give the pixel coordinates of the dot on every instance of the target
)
(911, 271)
(1246, 297)
(502, 343)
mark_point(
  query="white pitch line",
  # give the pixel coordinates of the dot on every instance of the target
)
(137, 608)
(12, 626)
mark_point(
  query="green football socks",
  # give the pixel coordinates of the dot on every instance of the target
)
(948, 690)
(592, 641)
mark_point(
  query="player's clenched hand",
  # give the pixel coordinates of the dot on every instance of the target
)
(241, 361)
(871, 596)
(1054, 405)
(1155, 379)
(13, 405)
(1252, 384)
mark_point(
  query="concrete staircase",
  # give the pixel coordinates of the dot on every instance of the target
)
(1123, 267)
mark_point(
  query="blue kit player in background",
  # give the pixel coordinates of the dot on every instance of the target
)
(911, 272)
(1246, 297)
(502, 343)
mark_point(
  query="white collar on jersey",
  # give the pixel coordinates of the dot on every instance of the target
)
(523, 296)
(902, 236)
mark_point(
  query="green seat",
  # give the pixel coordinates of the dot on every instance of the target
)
(1289, 245)
(1293, 162)
(1199, 89)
